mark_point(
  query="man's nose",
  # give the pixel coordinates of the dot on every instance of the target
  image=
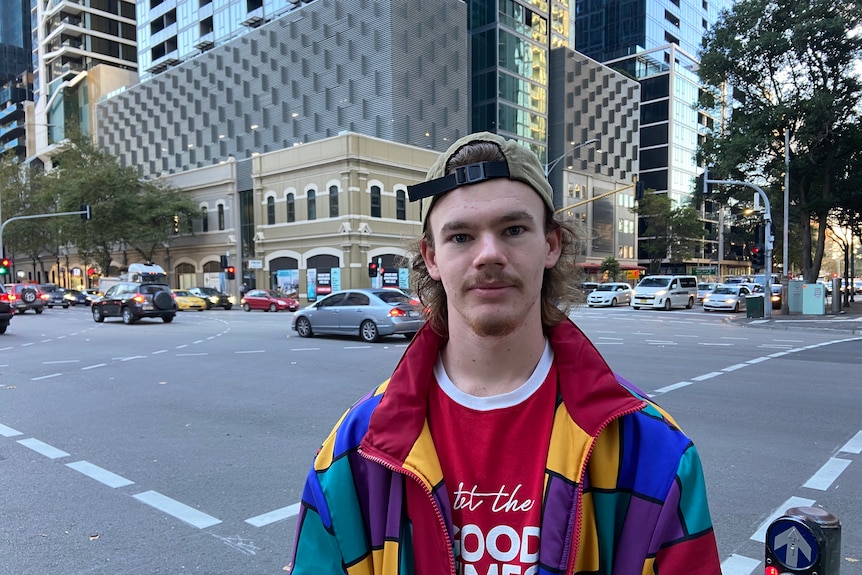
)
(490, 250)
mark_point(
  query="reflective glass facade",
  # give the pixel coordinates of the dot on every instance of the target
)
(14, 39)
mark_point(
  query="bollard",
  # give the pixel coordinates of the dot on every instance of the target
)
(805, 540)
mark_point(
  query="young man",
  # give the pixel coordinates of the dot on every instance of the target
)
(502, 443)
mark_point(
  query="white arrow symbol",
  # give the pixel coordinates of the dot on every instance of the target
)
(795, 542)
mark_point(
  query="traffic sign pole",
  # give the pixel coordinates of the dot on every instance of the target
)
(804, 541)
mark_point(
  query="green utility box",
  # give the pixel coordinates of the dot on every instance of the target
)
(754, 306)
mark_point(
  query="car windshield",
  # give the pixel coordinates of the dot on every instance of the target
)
(653, 282)
(181, 292)
(726, 290)
(704, 286)
(208, 291)
(393, 297)
(606, 287)
(273, 293)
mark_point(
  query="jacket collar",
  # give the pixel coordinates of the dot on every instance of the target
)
(589, 389)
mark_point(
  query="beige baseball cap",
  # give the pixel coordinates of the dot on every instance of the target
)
(521, 164)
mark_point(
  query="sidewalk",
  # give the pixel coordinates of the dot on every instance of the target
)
(849, 320)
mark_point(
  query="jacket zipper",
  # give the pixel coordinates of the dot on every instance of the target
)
(570, 569)
(415, 477)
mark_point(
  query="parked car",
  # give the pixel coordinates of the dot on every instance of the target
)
(26, 296)
(214, 297)
(703, 289)
(268, 300)
(610, 294)
(187, 301)
(776, 296)
(56, 296)
(368, 313)
(133, 301)
(6, 310)
(727, 297)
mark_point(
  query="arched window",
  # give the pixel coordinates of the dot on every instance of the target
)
(333, 201)
(400, 205)
(221, 217)
(375, 201)
(312, 205)
(205, 220)
(270, 211)
(291, 209)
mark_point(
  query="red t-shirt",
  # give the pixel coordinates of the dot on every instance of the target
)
(493, 452)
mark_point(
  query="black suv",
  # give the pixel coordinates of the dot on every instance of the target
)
(6, 310)
(133, 301)
(214, 297)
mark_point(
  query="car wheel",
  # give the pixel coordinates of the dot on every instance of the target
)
(97, 314)
(667, 304)
(636, 306)
(246, 307)
(690, 303)
(272, 307)
(706, 310)
(128, 317)
(3, 327)
(167, 318)
(410, 334)
(228, 306)
(28, 295)
(303, 327)
(736, 307)
(65, 306)
(50, 307)
(614, 302)
(38, 310)
(163, 300)
(368, 331)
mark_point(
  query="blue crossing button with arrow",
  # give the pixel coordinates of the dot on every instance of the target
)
(793, 543)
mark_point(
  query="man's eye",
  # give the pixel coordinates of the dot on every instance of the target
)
(459, 238)
(515, 230)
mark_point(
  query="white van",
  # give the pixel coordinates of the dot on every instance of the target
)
(665, 292)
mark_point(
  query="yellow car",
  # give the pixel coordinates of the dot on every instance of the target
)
(186, 301)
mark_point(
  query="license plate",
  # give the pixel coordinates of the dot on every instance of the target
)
(642, 301)
(148, 306)
(412, 314)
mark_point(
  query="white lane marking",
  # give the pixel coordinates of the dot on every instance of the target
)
(273, 516)
(101, 475)
(683, 335)
(609, 343)
(43, 448)
(739, 565)
(191, 354)
(49, 376)
(659, 342)
(61, 361)
(198, 341)
(179, 510)
(736, 338)
(8, 431)
(673, 386)
(778, 354)
(827, 474)
(716, 344)
(182, 346)
(305, 349)
(5, 348)
(854, 445)
(357, 347)
(734, 367)
(790, 340)
(132, 357)
(94, 366)
(159, 351)
(706, 376)
(252, 351)
(760, 534)
(46, 340)
(27, 344)
(757, 360)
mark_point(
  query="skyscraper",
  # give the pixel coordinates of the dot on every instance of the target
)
(15, 77)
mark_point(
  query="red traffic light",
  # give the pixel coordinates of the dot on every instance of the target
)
(755, 250)
(5, 262)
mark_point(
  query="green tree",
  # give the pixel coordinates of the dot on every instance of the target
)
(611, 266)
(790, 64)
(127, 210)
(671, 233)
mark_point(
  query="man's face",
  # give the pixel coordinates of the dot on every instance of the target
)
(490, 252)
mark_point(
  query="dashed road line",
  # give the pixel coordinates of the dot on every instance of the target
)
(706, 376)
(252, 351)
(8, 431)
(760, 534)
(176, 509)
(739, 565)
(43, 448)
(94, 366)
(101, 475)
(49, 376)
(273, 516)
(827, 474)
(61, 361)
(854, 445)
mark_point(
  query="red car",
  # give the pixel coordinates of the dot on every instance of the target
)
(268, 300)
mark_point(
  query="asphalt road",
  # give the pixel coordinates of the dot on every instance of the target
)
(182, 448)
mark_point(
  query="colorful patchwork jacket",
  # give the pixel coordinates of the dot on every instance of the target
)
(624, 490)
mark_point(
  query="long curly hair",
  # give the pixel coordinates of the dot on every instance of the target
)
(559, 285)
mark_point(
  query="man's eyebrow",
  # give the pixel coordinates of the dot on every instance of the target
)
(508, 217)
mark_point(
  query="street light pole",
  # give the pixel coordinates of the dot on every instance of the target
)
(553, 164)
(785, 270)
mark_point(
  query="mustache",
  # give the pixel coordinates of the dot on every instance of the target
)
(491, 276)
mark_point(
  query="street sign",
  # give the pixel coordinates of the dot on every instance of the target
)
(793, 543)
(255, 264)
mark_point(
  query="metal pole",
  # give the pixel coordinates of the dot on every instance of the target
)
(720, 241)
(785, 232)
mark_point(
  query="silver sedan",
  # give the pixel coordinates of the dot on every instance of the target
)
(610, 294)
(728, 297)
(368, 313)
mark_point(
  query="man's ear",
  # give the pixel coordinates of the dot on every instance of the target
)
(555, 247)
(430, 256)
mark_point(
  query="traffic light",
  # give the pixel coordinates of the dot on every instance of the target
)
(224, 262)
(230, 272)
(5, 266)
(758, 257)
(372, 270)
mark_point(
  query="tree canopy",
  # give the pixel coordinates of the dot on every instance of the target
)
(671, 232)
(790, 65)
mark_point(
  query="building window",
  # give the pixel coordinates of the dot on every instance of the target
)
(270, 211)
(291, 209)
(333, 201)
(221, 217)
(205, 221)
(375, 201)
(312, 205)
(400, 205)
